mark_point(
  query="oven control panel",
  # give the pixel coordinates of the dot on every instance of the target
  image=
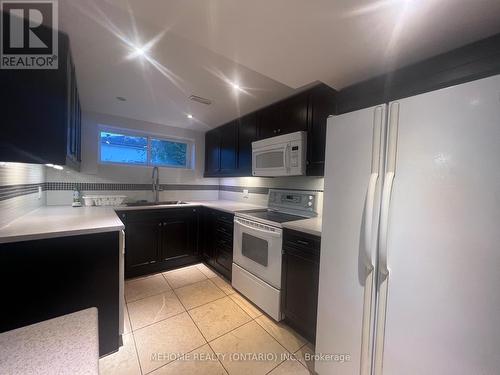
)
(299, 202)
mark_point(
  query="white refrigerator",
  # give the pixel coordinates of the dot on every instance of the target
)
(410, 251)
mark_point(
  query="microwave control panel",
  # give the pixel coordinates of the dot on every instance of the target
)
(294, 156)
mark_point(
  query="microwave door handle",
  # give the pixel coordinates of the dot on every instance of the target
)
(267, 233)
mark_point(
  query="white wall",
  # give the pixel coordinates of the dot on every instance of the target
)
(92, 171)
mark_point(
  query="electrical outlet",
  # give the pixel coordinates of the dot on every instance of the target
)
(245, 193)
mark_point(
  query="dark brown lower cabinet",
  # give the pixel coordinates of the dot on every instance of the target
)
(217, 242)
(300, 280)
(158, 240)
(162, 239)
(47, 278)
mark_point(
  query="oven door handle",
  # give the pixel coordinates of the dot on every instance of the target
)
(266, 232)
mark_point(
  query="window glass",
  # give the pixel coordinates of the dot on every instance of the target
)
(169, 153)
(122, 148)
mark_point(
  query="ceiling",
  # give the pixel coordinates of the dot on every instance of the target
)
(269, 48)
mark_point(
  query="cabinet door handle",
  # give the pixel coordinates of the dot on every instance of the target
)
(305, 243)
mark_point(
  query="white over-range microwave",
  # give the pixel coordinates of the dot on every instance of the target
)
(284, 155)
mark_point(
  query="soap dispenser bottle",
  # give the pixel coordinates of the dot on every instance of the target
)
(76, 197)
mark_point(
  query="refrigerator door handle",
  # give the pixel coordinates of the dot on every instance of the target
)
(383, 279)
(384, 222)
(370, 202)
(392, 141)
(366, 337)
(365, 362)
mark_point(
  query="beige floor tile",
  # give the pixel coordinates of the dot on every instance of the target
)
(218, 317)
(246, 305)
(184, 276)
(123, 362)
(223, 284)
(201, 361)
(250, 338)
(145, 287)
(304, 356)
(285, 335)
(157, 344)
(199, 293)
(206, 271)
(153, 309)
(126, 320)
(290, 367)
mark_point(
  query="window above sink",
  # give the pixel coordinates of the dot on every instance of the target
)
(124, 147)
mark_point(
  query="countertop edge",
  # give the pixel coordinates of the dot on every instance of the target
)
(301, 227)
(59, 234)
(207, 204)
(41, 235)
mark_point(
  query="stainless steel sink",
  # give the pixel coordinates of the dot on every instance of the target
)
(164, 203)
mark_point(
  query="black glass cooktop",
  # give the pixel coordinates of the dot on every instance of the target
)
(277, 217)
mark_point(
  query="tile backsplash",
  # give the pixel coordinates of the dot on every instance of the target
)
(25, 187)
(136, 185)
(19, 189)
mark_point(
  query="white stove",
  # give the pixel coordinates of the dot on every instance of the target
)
(258, 240)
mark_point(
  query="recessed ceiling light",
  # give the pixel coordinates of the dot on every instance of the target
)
(121, 98)
(236, 86)
(189, 115)
(139, 51)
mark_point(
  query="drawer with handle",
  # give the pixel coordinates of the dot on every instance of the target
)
(301, 241)
(225, 228)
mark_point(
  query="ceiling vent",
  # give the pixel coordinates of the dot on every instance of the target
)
(201, 100)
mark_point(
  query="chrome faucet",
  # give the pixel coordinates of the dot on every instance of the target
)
(156, 183)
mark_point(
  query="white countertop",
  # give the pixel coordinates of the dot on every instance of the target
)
(230, 206)
(222, 205)
(311, 226)
(65, 345)
(60, 221)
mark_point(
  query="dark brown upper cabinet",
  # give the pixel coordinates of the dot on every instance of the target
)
(321, 105)
(41, 114)
(247, 133)
(287, 116)
(212, 153)
(228, 148)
